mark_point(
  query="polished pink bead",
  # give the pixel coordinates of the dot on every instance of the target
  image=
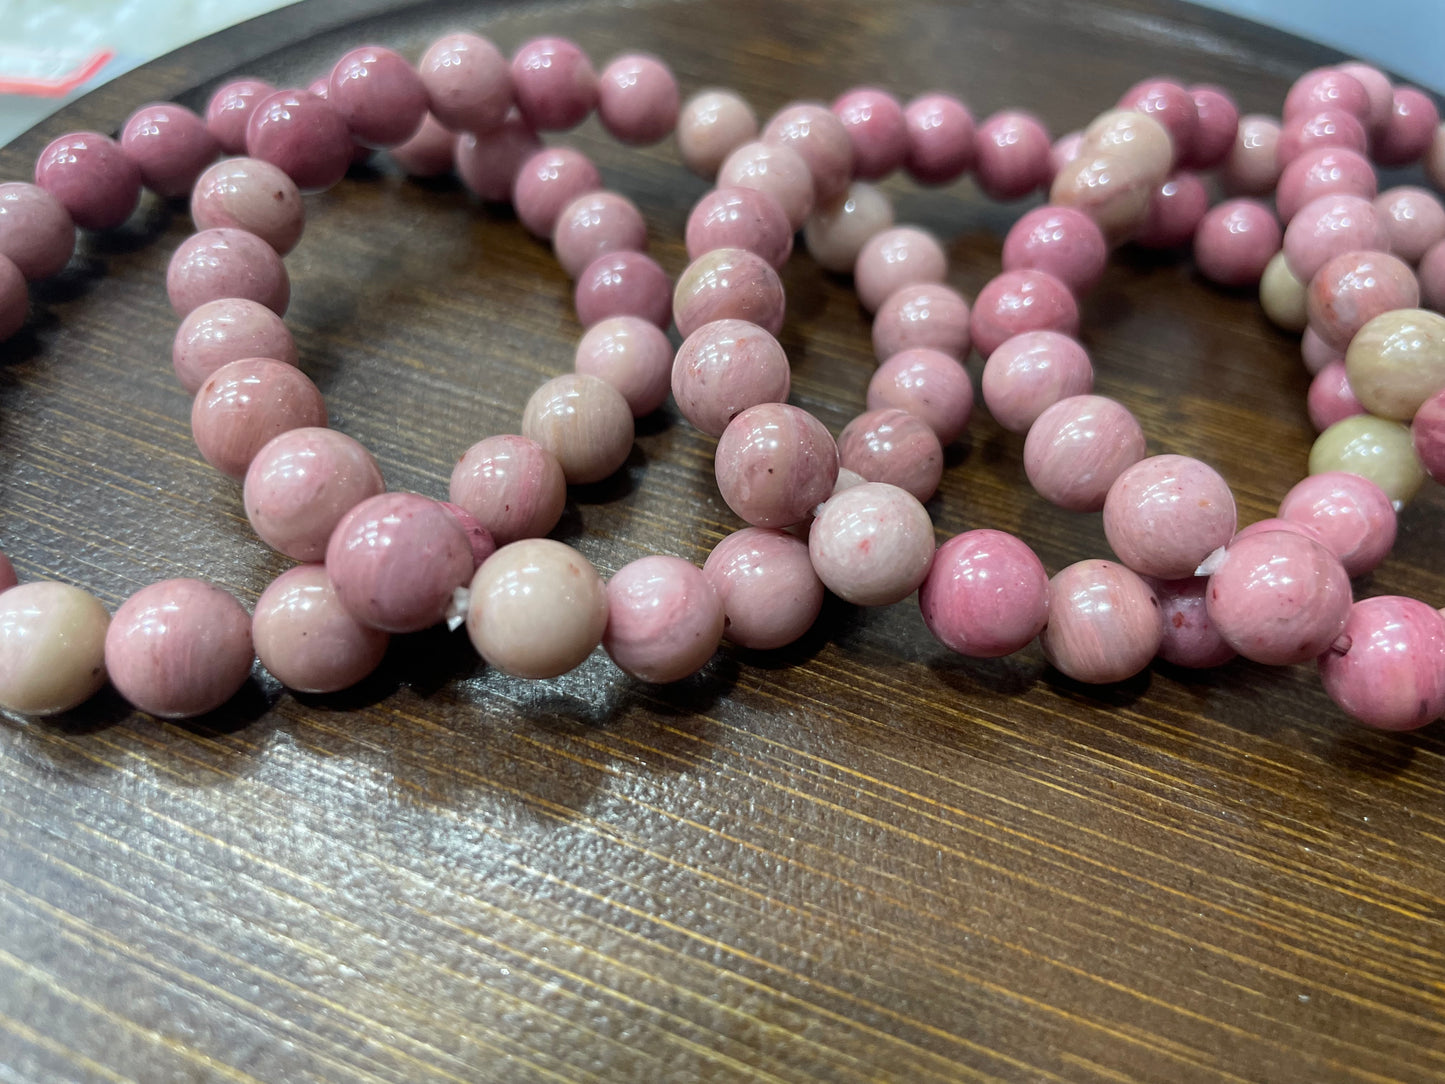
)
(429, 153)
(226, 263)
(1316, 353)
(1388, 668)
(179, 648)
(513, 486)
(36, 232)
(251, 195)
(942, 143)
(820, 140)
(91, 177)
(740, 218)
(547, 182)
(1378, 90)
(1031, 372)
(584, 422)
(1328, 88)
(1328, 226)
(305, 637)
(1252, 167)
(638, 99)
(300, 485)
(930, 385)
(1063, 241)
(895, 258)
(1187, 636)
(631, 354)
(1274, 523)
(301, 134)
(468, 82)
(1330, 399)
(1172, 106)
(1407, 135)
(1016, 302)
(623, 284)
(488, 164)
(1326, 128)
(1427, 432)
(230, 109)
(1431, 276)
(1013, 155)
(725, 367)
(227, 330)
(893, 446)
(1353, 516)
(1175, 211)
(1066, 150)
(1235, 241)
(1165, 514)
(1351, 289)
(379, 95)
(728, 283)
(1217, 124)
(1414, 221)
(1103, 623)
(776, 169)
(245, 403)
(711, 125)
(877, 129)
(170, 145)
(1077, 447)
(14, 298)
(769, 591)
(924, 315)
(664, 620)
(595, 224)
(1323, 171)
(8, 578)
(872, 544)
(986, 594)
(482, 544)
(554, 84)
(774, 464)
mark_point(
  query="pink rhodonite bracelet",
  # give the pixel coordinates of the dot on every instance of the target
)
(1356, 271)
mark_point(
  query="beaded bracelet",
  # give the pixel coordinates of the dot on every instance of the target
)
(1189, 588)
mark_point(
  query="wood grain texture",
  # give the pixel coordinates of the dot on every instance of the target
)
(858, 859)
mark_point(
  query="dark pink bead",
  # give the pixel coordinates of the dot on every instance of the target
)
(775, 464)
(14, 298)
(941, 139)
(769, 591)
(725, 367)
(230, 108)
(1330, 398)
(379, 95)
(244, 404)
(930, 385)
(1408, 133)
(1351, 289)
(623, 284)
(638, 100)
(227, 330)
(924, 314)
(740, 218)
(1217, 122)
(1378, 90)
(1328, 226)
(1388, 668)
(554, 84)
(1175, 211)
(303, 135)
(481, 540)
(729, 283)
(320, 87)
(221, 263)
(893, 446)
(1325, 128)
(631, 354)
(877, 129)
(1352, 515)
(594, 224)
(36, 232)
(1030, 373)
(1328, 88)
(1018, 301)
(488, 164)
(1252, 166)
(1413, 219)
(170, 145)
(1323, 171)
(1188, 637)
(1060, 240)
(820, 140)
(1235, 242)
(1427, 432)
(91, 177)
(1172, 106)
(986, 594)
(547, 182)
(468, 82)
(1013, 155)
(429, 153)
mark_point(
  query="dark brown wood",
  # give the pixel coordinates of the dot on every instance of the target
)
(858, 859)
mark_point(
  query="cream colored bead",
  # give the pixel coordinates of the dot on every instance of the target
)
(52, 647)
(1397, 361)
(1284, 297)
(1374, 448)
(1139, 136)
(1123, 157)
(835, 234)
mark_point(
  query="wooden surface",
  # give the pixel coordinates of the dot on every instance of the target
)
(858, 859)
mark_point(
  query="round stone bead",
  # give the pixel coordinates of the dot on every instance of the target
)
(36, 232)
(554, 84)
(1282, 296)
(179, 648)
(305, 637)
(986, 594)
(244, 404)
(299, 133)
(91, 177)
(379, 95)
(623, 284)
(631, 354)
(1031, 372)
(1351, 289)
(1062, 241)
(820, 140)
(1122, 159)
(300, 485)
(893, 446)
(664, 620)
(1378, 90)
(637, 99)
(1077, 447)
(1328, 88)
(1252, 167)
(1388, 670)
(170, 145)
(895, 258)
(872, 544)
(1406, 136)
(928, 384)
(1323, 171)
(14, 298)
(740, 218)
(468, 82)
(395, 560)
(52, 647)
(770, 594)
(725, 367)
(942, 142)
(1330, 398)
(226, 263)
(513, 486)
(482, 544)
(1324, 128)
(711, 125)
(1235, 242)
(876, 128)
(537, 610)
(429, 153)
(836, 234)
(1011, 155)
(1187, 636)
(926, 315)
(1316, 353)
(1171, 105)
(774, 464)
(1328, 226)
(230, 109)
(1217, 124)
(1351, 516)
(251, 195)
(1431, 276)
(1103, 623)
(728, 283)
(1397, 359)
(1374, 448)
(488, 164)
(227, 330)
(775, 169)
(1427, 433)
(583, 421)
(1413, 220)
(1165, 514)
(547, 182)
(1175, 210)
(1016, 302)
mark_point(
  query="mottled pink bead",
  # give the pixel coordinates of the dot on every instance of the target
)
(1326, 128)
(1012, 155)
(623, 284)
(1235, 241)
(664, 620)
(595, 224)
(1066, 150)
(930, 385)
(1165, 514)
(482, 544)
(1353, 516)
(895, 258)
(91, 177)
(1175, 211)
(1217, 124)
(872, 544)
(942, 142)
(774, 464)
(1187, 636)
(1330, 398)
(225, 263)
(924, 315)
(300, 485)
(1328, 226)
(986, 594)
(244, 404)
(1378, 90)
(14, 298)
(1351, 289)
(1431, 276)
(379, 95)
(429, 153)
(713, 124)
(547, 182)
(820, 140)
(1323, 171)
(1062, 241)
(1077, 447)
(301, 134)
(1427, 432)
(1252, 167)
(776, 169)
(513, 486)
(227, 330)
(468, 82)
(728, 283)
(230, 109)
(488, 164)
(251, 195)
(1328, 88)
(554, 84)
(633, 355)
(1316, 353)
(584, 422)
(893, 446)
(1172, 106)
(307, 640)
(725, 367)
(877, 129)
(36, 232)
(1388, 669)
(740, 218)
(1414, 221)
(1016, 302)
(1031, 372)
(638, 100)
(170, 145)
(769, 591)
(1407, 135)
(179, 648)
(1103, 623)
